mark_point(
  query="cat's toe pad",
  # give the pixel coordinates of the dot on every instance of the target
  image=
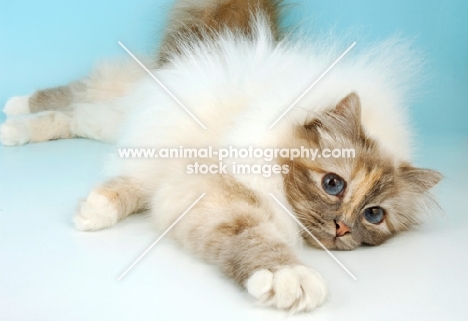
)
(294, 288)
(18, 105)
(95, 213)
(13, 132)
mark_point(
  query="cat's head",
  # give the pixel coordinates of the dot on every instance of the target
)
(345, 202)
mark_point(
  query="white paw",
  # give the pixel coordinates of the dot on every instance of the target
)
(294, 288)
(95, 213)
(14, 132)
(18, 105)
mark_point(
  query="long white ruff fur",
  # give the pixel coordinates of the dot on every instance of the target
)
(238, 86)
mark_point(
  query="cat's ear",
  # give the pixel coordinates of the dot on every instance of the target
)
(420, 180)
(347, 113)
(344, 118)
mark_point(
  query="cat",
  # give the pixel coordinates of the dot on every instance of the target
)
(236, 70)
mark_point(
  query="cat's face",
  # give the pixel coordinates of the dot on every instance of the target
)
(345, 202)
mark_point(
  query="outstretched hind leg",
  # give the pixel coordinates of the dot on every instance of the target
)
(51, 99)
(109, 203)
(45, 115)
(85, 108)
(34, 128)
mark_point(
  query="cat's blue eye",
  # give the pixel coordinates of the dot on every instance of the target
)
(333, 184)
(374, 214)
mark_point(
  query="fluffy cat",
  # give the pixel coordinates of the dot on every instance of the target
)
(229, 62)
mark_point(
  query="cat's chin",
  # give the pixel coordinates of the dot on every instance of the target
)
(344, 243)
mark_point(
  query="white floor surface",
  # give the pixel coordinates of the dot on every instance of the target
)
(51, 272)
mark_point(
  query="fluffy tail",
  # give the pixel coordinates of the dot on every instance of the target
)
(193, 20)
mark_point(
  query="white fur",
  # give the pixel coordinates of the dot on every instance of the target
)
(95, 213)
(18, 105)
(237, 88)
(13, 132)
(296, 288)
(41, 126)
(259, 283)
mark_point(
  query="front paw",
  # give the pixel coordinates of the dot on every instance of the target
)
(14, 132)
(95, 213)
(294, 288)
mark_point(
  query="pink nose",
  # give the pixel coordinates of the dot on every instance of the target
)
(341, 229)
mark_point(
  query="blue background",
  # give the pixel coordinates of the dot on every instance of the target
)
(51, 42)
